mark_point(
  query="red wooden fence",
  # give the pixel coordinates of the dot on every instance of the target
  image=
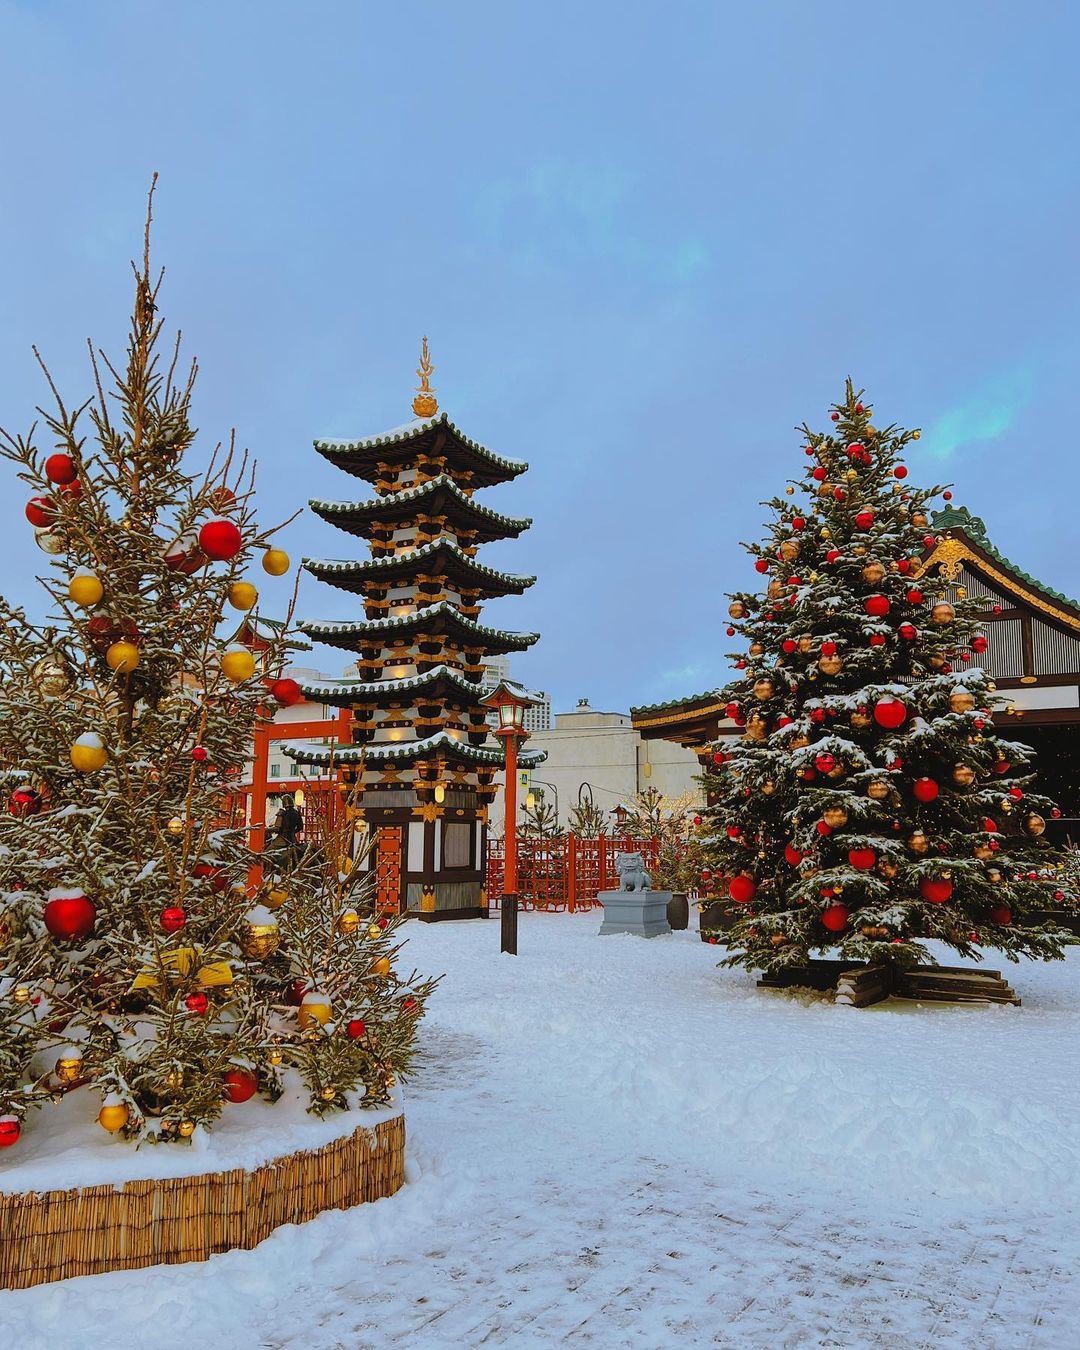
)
(564, 872)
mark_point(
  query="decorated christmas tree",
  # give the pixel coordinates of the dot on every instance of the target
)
(870, 802)
(143, 956)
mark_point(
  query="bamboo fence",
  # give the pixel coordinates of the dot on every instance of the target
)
(54, 1235)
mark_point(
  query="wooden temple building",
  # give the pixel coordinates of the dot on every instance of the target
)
(419, 744)
(1033, 656)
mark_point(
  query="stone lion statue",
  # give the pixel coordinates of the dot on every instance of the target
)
(632, 874)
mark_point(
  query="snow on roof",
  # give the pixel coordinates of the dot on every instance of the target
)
(421, 615)
(416, 427)
(346, 566)
(341, 688)
(411, 494)
(308, 753)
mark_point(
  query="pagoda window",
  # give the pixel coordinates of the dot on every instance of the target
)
(457, 844)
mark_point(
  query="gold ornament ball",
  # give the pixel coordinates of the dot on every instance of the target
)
(313, 1014)
(174, 1078)
(328, 1094)
(186, 1129)
(778, 939)
(114, 1117)
(918, 842)
(859, 550)
(175, 826)
(805, 642)
(768, 787)
(835, 817)
(942, 613)
(84, 589)
(983, 852)
(21, 994)
(831, 665)
(963, 775)
(873, 572)
(238, 664)
(69, 1069)
(122, 657)
(788, 491)
(737, 609)
(851, 475)
(824, 489)
(756, 728)
(887, 868)
(275, 562)
(275, 897)
(935, 660)
(260, 940)
(919, 520)
(764, 688)
(349, 922)
(49, 541)
(798, 742)
(242, 595)
(789, 550)
(51, 677)
(993, 876)
(374, 931)
(860, 721)
(756, 649)
(878, 789)
(88, 753)
(837, 771)
(1035, 824)
(382, 966)
(961, 700)
(274, 1057)
(774, 590)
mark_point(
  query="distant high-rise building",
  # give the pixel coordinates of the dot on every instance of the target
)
(537, 717)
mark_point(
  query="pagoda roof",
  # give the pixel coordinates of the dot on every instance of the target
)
(438, 495)
(406, 752)
(431, 436)
(966, 541)
(343, 693)
(442, 617)
(255, 628)
(444, 556)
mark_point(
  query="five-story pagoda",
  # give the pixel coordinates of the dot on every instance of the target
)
(420, 747)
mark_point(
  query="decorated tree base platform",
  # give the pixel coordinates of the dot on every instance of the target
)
(860, 984)
(189, 1204)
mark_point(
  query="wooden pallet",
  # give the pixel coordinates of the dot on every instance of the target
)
(859, 985)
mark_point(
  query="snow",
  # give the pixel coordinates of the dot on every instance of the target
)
(63, 1146)
(614, 1143)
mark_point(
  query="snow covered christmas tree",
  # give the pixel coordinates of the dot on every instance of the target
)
(142, 956)
(870, 803)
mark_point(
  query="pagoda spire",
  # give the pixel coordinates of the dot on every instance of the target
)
(425, 404)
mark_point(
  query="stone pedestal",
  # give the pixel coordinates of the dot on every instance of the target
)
(643, 913)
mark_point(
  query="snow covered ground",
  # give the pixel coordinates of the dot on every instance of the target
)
(614, 1144)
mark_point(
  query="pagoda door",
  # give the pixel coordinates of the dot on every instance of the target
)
(388, 869)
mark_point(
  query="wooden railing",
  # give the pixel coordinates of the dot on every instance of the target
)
(563, 872)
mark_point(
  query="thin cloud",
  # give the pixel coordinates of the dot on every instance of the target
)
(984, 416)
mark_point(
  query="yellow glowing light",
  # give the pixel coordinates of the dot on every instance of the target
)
(530, 800)
(298, 797)
(440, 792)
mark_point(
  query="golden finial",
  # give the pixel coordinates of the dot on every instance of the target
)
(425, 403)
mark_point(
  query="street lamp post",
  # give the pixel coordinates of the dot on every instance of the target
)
(510, 700)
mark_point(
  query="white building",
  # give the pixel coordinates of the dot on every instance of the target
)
(601, 753)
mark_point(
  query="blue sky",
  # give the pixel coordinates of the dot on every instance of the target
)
(644, 240)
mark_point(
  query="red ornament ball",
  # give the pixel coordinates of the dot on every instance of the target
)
(719, 757)
(70, 917)
(40, 511)
(72, 490)
(929, 540)
(823, 829)
(184, 554)
(732, 711)
(877, 640)
(742, 889)
(355, 1029)
(61, 468)
(914, 596)
(840, 494)
(835, 918)
(286, 692)
(10, 1129)
(730, 631)
(862, 858)
(835, 417)
(989, 825)
(172, 919)
(222, 498)
(199, 753)
(903, 565)
(788, 645)
(23, 802)
(1002, 766)
(864, 519)
(900, 471)
(947, 495)
(798, 523)
(762, 565)
(1016, 792)
(294, 993)
(220, 540)
(792, 856)
(828, 649)
(213, 873)
(908, 632)
(877, 606)
(240, 1085)
(979, 643)
(832, 555)
(935, 890)
(925, 789)
(817, 714)
(890, 713)
(855, 450)
(197, 1003)
(1001, 915)
(825, 762)
(819, 473)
